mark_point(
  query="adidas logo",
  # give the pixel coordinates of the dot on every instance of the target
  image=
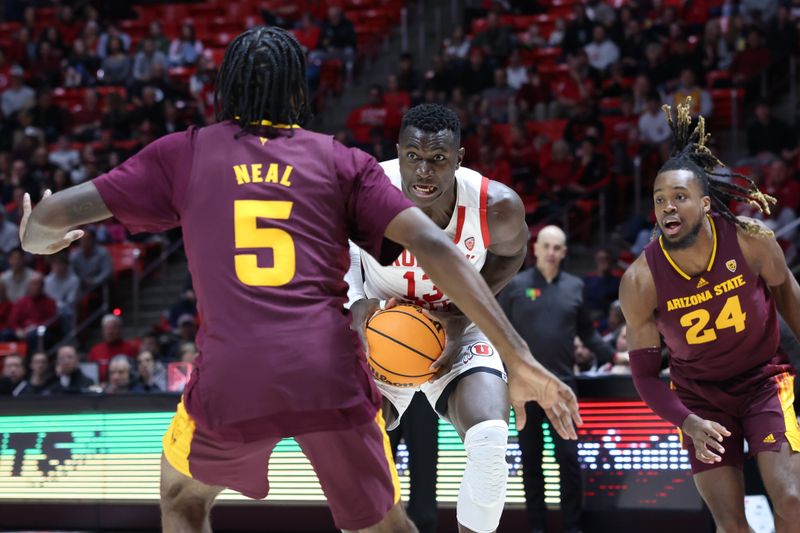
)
(769, 439)
(701, 283)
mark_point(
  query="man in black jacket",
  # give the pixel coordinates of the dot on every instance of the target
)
(71, 380)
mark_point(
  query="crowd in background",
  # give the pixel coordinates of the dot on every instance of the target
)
(562, 104)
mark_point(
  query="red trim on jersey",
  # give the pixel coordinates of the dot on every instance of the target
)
(462, 214)
(484, 202)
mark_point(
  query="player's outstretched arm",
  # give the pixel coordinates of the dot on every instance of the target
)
(637, 296)
(50, 227)
(456, 277)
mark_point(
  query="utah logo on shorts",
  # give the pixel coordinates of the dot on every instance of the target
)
(482, 349)
(731, 265)
(469, 242)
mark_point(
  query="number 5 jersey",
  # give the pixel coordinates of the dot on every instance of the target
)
(717, 324)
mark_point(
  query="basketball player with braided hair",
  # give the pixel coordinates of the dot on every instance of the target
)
(267, 208)
(712, 284)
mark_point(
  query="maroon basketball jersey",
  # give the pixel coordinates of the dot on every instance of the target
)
(717, 324)
(266, 224)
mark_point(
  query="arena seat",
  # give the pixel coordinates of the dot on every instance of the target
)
(727, 104)
(11, 348)
(125, 256)
(552, 129)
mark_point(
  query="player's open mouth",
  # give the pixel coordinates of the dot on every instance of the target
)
(671, 226)
(424, 191)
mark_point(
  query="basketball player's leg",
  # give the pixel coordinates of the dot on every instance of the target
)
(780, 472)
(185, 502)
(722, 489)
(473, 396)
(356, 470)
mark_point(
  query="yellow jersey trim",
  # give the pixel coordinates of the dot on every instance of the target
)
(387, 449)
(279, 126)
(710, 260)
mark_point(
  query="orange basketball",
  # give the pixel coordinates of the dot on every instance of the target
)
(403, 342)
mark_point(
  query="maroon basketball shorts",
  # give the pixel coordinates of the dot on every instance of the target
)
(757, 406)
(355, 466)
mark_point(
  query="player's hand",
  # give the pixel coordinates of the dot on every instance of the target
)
(362, 311)
(454, 325)
(707, 437)
(531, 382)
(53, 247)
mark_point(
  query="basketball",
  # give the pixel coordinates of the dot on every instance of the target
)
(403, 342)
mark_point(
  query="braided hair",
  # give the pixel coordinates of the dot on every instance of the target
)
(691, 153)
(262, 77)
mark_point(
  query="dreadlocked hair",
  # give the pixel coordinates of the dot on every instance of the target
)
(691, 153)
(432, 118)
(263, 77)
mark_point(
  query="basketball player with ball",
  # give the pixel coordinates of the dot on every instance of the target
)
(467, 384)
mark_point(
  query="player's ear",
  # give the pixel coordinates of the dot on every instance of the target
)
(706, 204)
(460, 157)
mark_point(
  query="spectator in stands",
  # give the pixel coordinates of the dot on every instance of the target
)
(17, 96)
(86, 120)
(337, 41)
(576, 86)
(40, 375)
(601, 287)
(781, 35)
(654, 67)
(9, 237)
(151, 343)
(156, 34)
(592, 170)
(407, 76)
(5, 72)
(632, 47)
(307, 32)
(184, 332)
(67, 24)
(41, 170)
(457, 47)
(758, 11)
(556, 38)
(583, 123)
(613, 322)
(47, 116)
(188, 352)
(91, 262)
(653, 127)
(33, 310)
(104, 46)
(532, 38)
(522, 154)
(13, 382)
(111, 345)
(63, 286)
(186, 305)
(47, 69)
(476, 75)
(145, 61)
(780, 184)
(516, 71)
(714, 51)
(492, 167)
(119, 375)
(186, 49)
(768, 136)
(495, 40)
(116, 65)
(578, 32)
(395, 97)
(375, 114)
(601, 51)
(558, 173)
(497, 100)
(687, 87)
(70, 377)
(748, 64)
(640, 92)
(152, 376)
(534, 99)
(82, 65)
(17, 278)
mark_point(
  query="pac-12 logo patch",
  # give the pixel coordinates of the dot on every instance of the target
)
(731, 265)
(481, 348)
(469, 242)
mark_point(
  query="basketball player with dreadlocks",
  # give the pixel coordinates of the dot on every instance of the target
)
(266, 209)
(712, 285)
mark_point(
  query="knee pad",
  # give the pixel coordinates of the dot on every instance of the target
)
(483, 488)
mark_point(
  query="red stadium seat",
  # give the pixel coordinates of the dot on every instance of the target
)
(718, 79)
(125, 256)
(13, 348)
(552, 129)
(728, 104)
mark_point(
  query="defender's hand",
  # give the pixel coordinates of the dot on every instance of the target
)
(531, 382)
(56, 246)
(707, 437)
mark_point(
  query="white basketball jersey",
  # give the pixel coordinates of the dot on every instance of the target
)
(468, 228)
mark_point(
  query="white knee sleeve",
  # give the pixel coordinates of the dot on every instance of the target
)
(483, 489)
